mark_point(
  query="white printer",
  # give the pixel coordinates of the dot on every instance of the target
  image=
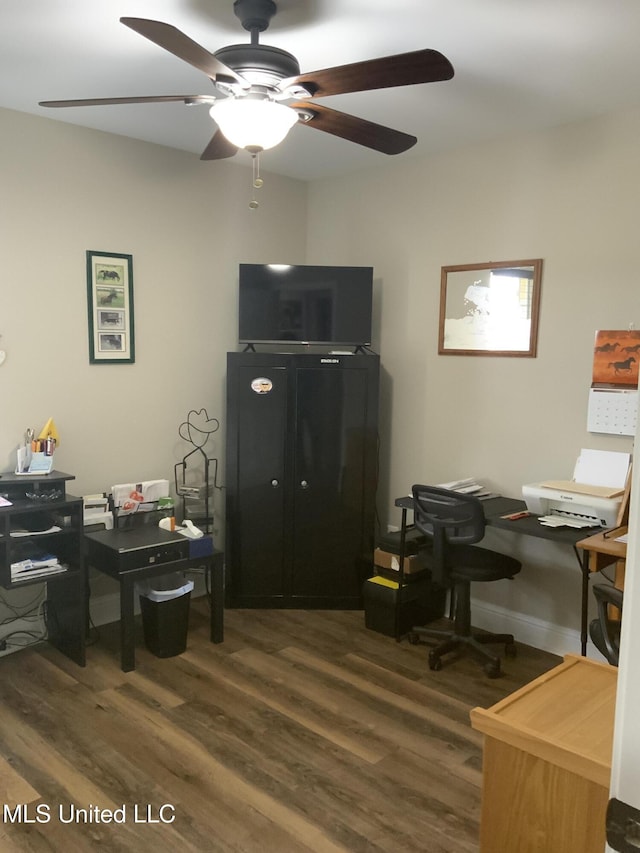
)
(593, 496)
(549, 499)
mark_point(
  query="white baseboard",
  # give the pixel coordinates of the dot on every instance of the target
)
(534, 632)
(555, 639)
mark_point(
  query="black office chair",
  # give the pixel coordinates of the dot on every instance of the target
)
(604, 631)
(454, 522)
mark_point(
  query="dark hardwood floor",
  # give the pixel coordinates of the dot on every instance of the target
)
(303, 731)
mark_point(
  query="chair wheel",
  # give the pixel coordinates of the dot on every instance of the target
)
(413, 638)
(510, 650)
(492, 670)
(435, 663)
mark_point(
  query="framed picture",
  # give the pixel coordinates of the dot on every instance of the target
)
(490, 309)
(110, 305)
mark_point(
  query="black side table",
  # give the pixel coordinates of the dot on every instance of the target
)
(131, 554)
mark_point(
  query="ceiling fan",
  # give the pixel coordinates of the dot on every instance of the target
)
(266, 83)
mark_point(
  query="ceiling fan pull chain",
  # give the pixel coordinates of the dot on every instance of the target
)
(257, 180)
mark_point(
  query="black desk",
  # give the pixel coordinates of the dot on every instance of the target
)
(131, 554)
(496, 507)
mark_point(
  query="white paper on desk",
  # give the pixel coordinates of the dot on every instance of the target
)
(149, 491)
(563, 521)
(602, 468)
(23, 458)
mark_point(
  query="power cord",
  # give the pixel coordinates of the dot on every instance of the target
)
(33, 611)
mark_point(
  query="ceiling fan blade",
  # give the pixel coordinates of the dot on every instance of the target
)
(180, 45)
(142, 99)
(355, 129)
(404, 69)
(218, 148)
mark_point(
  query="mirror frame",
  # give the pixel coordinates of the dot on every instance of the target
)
(530, 347)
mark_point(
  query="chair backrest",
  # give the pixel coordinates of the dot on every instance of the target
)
(604, 631)
(447, 518)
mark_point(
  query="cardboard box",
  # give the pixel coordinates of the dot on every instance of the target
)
(411, 564)
(393, 610)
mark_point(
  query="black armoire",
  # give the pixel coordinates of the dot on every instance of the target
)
(301, 472)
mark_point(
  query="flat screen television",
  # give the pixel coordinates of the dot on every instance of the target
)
(305, 304)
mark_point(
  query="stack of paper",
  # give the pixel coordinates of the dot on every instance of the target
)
(564, 520)
(139, 497)
(95, 503)
(466, 487)
(96, 511)
(602, 468)
(36, 566)
(21, 531)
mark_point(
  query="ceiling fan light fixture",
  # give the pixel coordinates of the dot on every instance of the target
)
(256, 124)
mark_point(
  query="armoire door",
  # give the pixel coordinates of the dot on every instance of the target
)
(258, 416)
(333, 481)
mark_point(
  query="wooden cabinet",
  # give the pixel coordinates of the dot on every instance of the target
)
(42, 517)
(547, 762)
(301, 478)
(606, 549)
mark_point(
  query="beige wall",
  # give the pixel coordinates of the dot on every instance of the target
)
(568, 196)
(187, 224)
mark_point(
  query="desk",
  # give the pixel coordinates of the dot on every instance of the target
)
(547, 761)
(131, 554)
(494, 509)
(603, 550)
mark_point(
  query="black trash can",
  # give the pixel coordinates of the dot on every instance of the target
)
(164, 604)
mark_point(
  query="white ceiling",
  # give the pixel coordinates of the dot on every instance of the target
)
(519, 64)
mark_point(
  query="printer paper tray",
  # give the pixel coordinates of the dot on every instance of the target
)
(583, 488)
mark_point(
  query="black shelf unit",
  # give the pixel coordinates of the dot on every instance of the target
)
(52, 507)
(301, 470)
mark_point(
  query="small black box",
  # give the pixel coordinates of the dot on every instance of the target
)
(394, 611)
(414, 541)
(122, 549)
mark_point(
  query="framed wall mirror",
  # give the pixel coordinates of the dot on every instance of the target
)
(490, 309)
